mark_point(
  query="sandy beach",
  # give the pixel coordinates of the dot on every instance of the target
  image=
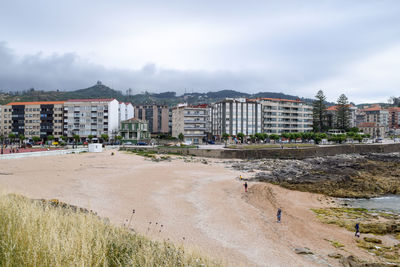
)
(200, 206)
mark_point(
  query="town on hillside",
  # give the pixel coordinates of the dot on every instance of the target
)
(237, 120)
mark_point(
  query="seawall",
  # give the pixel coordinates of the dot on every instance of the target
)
(286, 153)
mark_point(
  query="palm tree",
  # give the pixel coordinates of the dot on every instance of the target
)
(11, 137)
(77, 138)
(105, 137)
(21, 138)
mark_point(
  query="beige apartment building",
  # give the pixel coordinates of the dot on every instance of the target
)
(285, 116)
(190, 121)
(156, 115)
(33, 118)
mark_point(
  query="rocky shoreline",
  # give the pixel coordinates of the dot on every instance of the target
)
(347, 176)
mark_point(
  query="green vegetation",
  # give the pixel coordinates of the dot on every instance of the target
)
(335, 243)
(35, 233)
(371, 222)
(342, 113)
(181, 137)
(261, 146)
(319, 112)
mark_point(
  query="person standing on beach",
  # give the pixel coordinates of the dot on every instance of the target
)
(357, 234)
(245, 186)
(278, 215)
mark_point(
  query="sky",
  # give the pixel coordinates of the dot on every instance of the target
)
(294, 47)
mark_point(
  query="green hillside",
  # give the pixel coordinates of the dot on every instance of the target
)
(166, 98)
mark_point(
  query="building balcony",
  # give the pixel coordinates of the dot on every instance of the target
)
(194, 135)
(194, 129)
(194, 115)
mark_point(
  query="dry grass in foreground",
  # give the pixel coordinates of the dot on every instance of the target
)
(37, 234)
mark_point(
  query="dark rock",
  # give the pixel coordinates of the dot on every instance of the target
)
(303, 251)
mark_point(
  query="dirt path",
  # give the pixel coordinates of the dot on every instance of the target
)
(202, 207)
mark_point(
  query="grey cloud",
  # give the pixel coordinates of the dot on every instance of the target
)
(69, 72)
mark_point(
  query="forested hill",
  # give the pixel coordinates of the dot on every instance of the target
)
(168, 98)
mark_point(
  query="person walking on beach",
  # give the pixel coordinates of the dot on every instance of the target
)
(357, 234)
(245, 187)
(278, 215)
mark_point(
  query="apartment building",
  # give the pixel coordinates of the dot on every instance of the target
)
(156, 115)
(190, 121)
(285, 116)
(95, 117)
(33, 118)
(1, 121)
(233, 116)
(394, 118)
(125, 111)
(377, 114)
(373, 129)
(331, 119)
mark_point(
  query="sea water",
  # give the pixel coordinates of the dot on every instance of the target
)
(385, 203)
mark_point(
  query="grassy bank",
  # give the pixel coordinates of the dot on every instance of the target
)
(33, 233)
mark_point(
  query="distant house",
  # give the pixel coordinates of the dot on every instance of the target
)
(134, 130)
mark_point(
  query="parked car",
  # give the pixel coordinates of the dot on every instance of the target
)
(142, 144)
(211, 142)
(128, 143)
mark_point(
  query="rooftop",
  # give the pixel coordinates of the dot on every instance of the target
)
(281, 100)
(91, 100)
(35, 103)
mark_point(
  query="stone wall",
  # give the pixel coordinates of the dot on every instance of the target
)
(286, 153)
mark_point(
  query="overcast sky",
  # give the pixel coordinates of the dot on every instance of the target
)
(294, 47)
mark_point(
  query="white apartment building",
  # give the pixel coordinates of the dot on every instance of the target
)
(285, 116)
(233, 116)
(125, 111)
(95, 117)
(190, 121)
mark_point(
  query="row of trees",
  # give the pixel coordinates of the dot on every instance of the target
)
(342, 113)
(12, 138)
(304, 137)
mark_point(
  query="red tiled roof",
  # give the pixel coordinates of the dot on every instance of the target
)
(280, 99)
(333, 108)
(367, 124)
(394, 109)
(199, 106)
(91, 100)
(373, 109)
(35, 103)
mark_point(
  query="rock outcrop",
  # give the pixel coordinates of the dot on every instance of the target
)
(354, 175)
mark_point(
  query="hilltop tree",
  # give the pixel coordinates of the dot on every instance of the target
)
(319, 111)
(343, 113)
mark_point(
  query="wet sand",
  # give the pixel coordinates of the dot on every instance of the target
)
(200, 206)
